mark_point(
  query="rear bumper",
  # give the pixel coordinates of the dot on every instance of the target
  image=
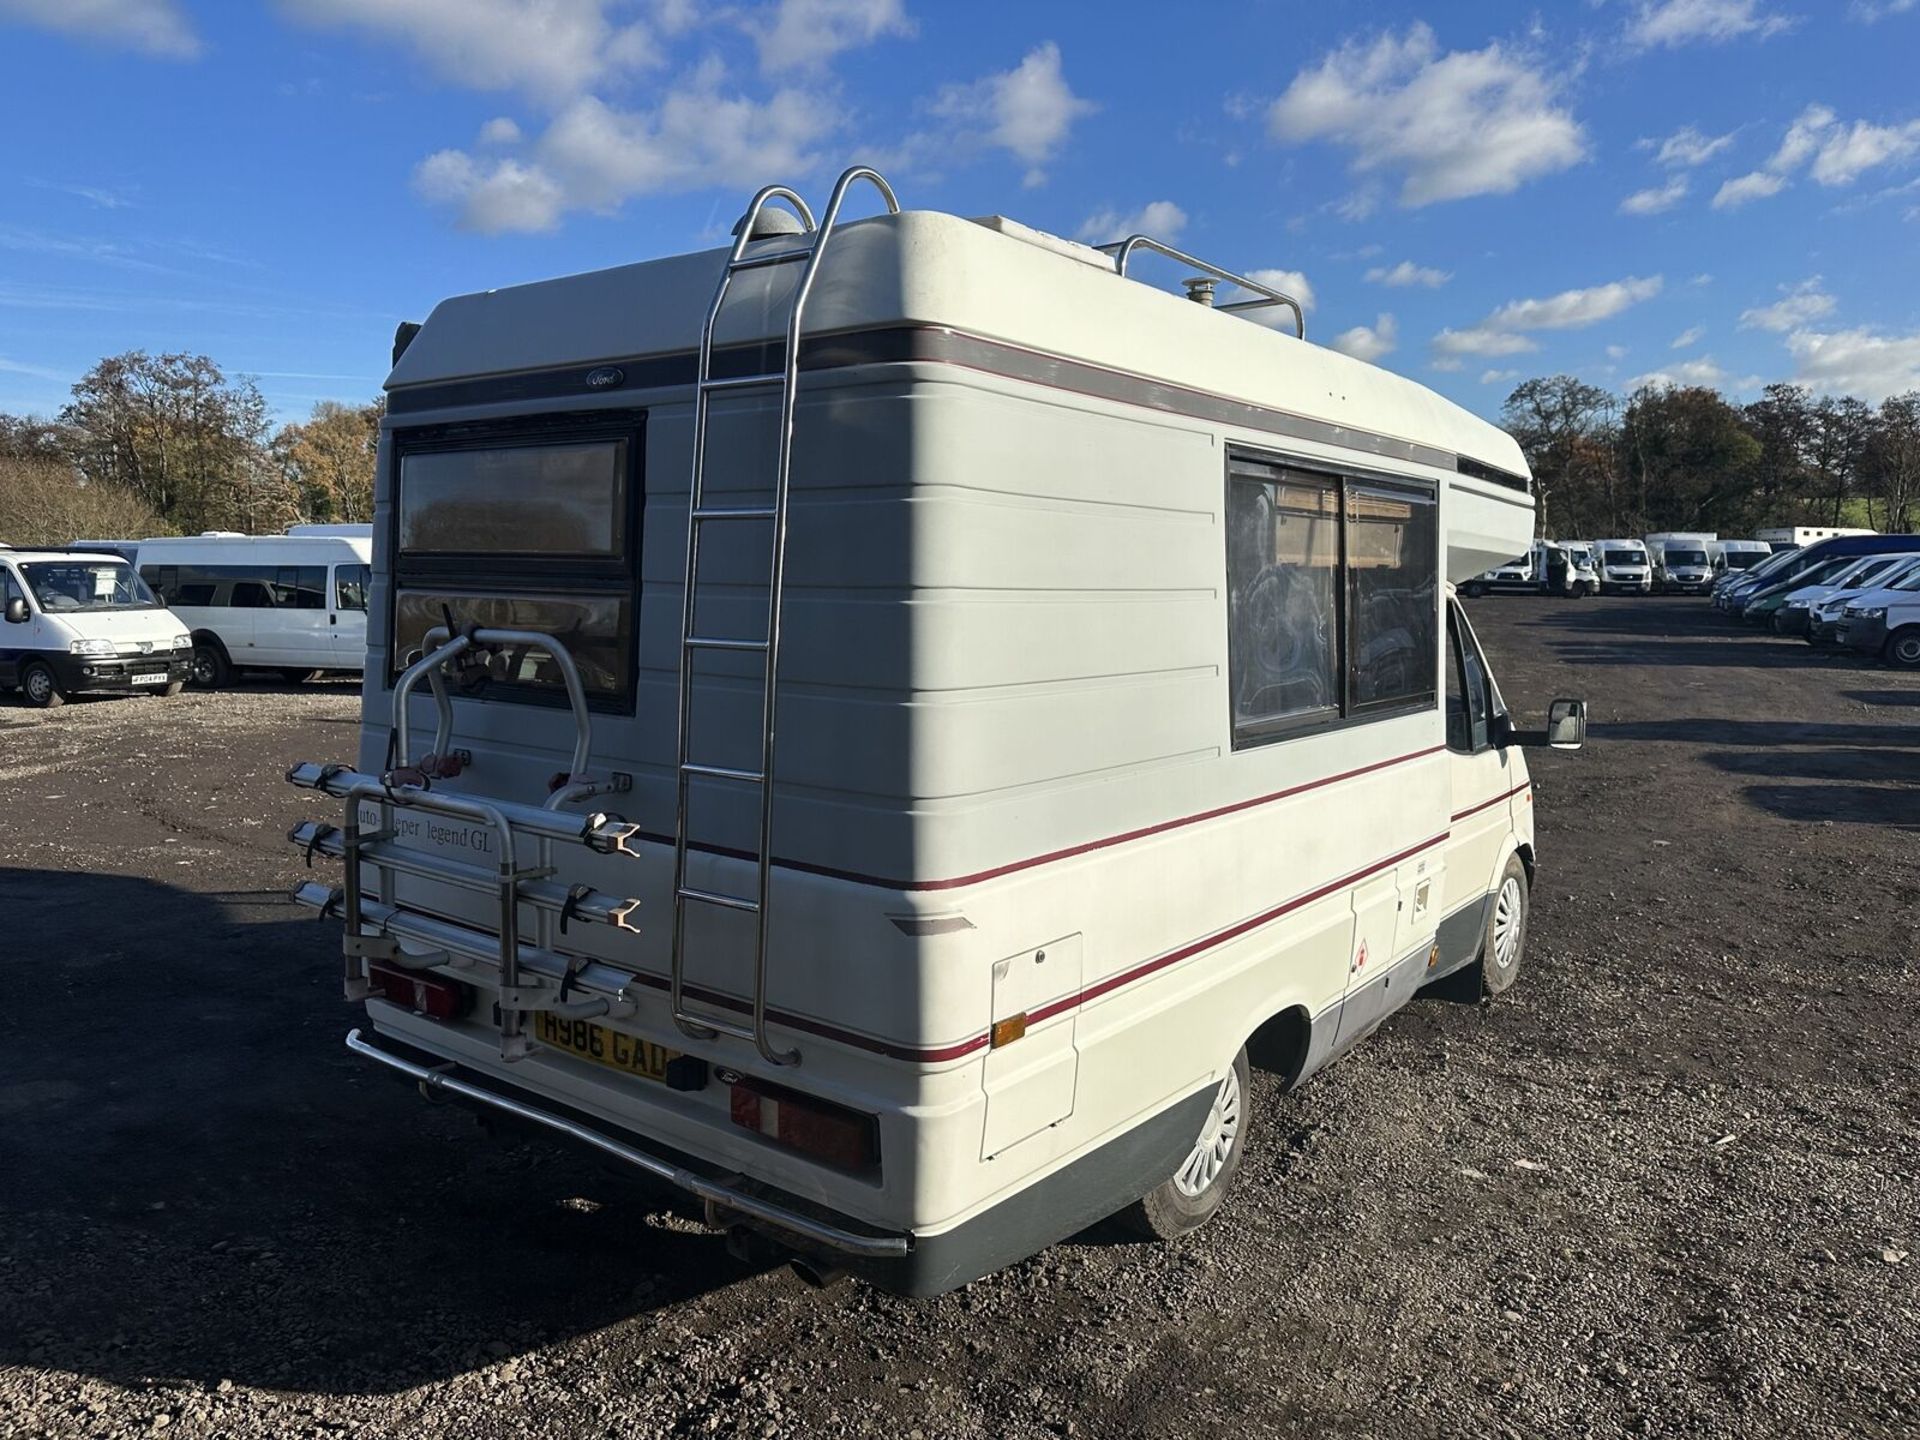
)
(98, 675)
(1060, 1204)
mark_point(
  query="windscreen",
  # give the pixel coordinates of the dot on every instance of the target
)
(1744, 559)
(1686, 557)
(1625, 557)
(66, 586)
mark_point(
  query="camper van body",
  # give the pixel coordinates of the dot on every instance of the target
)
(1792, 537)
(1079, 786)
(82, 623)
(295, 604)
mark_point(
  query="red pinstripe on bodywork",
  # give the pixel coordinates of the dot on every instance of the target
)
(1488, 804)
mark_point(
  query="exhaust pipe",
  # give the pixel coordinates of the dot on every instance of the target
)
(815, 1274)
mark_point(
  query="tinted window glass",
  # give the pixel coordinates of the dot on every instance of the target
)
(1468, 706)
(350, 584)
(250, 595)
(65, 585)
(300, 587)
(1393, 569)
(516, 500)
(597, 631)
(1283, 556)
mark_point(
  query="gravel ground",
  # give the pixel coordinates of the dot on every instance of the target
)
(1667, 1187)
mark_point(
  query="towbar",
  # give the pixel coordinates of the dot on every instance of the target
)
(715, 1192)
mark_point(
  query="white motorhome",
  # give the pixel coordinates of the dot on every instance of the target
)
(1625, 567)
(296, 604)
(1124, 722)
(82, 623)
(1793, 537)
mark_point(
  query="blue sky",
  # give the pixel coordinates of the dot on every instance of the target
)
(1717, 191)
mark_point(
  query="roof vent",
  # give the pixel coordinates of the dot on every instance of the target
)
(771, 224)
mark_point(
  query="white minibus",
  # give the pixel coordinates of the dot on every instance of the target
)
(1126, 726)
(292, 604)
(82, 623)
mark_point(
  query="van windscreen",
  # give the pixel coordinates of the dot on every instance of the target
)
(1625, 557)
(64, 586)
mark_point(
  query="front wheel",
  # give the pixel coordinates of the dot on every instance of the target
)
(39, 686)
(1903, 648)
(210, 668)
(1182, 1204)
(1505, 941)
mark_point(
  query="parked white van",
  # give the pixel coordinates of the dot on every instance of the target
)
(294, 604)
(1125, 724)
(1625, 566)
(82, 623)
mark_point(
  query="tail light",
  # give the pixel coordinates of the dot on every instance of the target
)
(831, 1133)
(429, 994)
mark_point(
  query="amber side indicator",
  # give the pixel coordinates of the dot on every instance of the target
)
(1006, 1031)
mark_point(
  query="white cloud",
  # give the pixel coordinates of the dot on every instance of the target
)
(1498, 377)
(1703, 371)
(1657, 199)
(1574, 309)
(1686, 148)
(1407, 273)
(807, 33)
(1447, 363)
(1452, 125)
(1804, 303)
(1688, 337)
(595, 156)
(1832, 152)
(501, 130)
(551, 49)
(1682, 22)
(1856, 362)
(1746, 189)
(1368, 342)
(1616, 352)
(155, 26)
(1027, 111)
(1287, 282)
(1479, 340)
(1161, 219)
(1870, 11)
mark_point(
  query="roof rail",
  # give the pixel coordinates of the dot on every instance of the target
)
(1122, 251)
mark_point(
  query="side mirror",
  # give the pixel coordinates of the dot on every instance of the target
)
(17, 611)
(1566, 728)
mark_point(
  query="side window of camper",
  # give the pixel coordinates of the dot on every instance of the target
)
(1332, 598)
(1392, 588)
(524, 525)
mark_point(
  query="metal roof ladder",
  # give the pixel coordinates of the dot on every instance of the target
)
(807, 248)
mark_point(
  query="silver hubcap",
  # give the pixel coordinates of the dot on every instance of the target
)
(1217, 1138)
(1508, 913)
(1907, 651)
(40, 686)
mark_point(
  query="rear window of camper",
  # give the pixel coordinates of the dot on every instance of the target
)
(516, 500)
(523, 525)
(1333, 598)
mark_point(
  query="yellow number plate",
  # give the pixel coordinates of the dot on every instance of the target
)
(608, 1047)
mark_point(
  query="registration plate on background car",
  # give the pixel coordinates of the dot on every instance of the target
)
(158, 677)
(607, 1047)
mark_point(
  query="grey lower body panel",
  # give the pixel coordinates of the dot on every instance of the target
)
(1460, 936)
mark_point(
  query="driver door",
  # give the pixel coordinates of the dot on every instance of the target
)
(13, 638)
(1482, 777)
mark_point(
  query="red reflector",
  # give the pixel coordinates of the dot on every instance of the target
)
(429, 994)
(828, 1132)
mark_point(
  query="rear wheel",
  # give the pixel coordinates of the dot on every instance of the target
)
(39, 686)
(210, 668)
(1903, 648)
(1185, 1202)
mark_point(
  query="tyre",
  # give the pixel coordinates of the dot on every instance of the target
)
(1903, 648)
(39, 686)
(1505, 941)
(1473, 592)
(173, 688)
(210, 669)
(1182, 1204)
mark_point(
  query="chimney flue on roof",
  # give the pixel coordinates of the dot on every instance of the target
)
(1200, 289)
